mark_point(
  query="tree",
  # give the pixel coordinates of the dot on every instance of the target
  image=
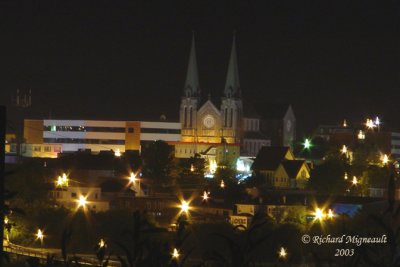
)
(327, 178)
(188, 172)
(157, 160)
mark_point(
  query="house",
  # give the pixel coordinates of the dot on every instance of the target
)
(280, 168)
(75, 197)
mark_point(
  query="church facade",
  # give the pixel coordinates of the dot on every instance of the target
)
(224, 132)
(210, 131)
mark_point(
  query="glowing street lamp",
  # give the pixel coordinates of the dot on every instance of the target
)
(191, 168)
(132, 178)
(346, 176)
(175, 254)
(82, 202)
(385, 159)
(344, 123)
(117, 153)
(319, 214)
(377, 122)
(205, 196)
(62, 180)
(370, 124)
(222, 185)
(102, 244)
(40, 235)
(282, 253)
(307, 144)
(330, 214)
(185, 206)
(344, 149)
(361, 135)
(354, 181)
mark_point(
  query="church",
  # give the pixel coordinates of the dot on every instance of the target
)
(222, 133)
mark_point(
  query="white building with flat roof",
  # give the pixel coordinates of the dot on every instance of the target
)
(95, 135)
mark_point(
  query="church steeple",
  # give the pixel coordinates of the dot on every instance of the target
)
(232, 85)
(192, 86)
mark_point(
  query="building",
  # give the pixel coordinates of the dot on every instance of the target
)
(49, 137)
(214, 132)
(278, 123)
(338, 135)
(70, 196)
(280, 168)
(222, 133)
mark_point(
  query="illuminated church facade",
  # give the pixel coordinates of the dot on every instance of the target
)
(218, 133)
(213, 132)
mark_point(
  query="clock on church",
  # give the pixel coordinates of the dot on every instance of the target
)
(208, 121)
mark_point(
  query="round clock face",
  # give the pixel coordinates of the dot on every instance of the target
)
(288, 125)
(208, 121)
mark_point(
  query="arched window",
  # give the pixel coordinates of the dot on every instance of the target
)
(231, 121)
(226, 118)
(185, 117)
(190, 117)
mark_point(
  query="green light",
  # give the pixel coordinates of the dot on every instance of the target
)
(307, 144)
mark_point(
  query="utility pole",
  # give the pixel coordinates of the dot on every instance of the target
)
(2, 177)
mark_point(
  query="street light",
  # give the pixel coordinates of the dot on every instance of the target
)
(102, 244)
(282, 253)
(344, 149)
(133, 180)
(82, 202)
(377, 122)
(354, 181)
(222, 185)
(175, 254)
(307, 144)
(330, 214)
(191, 168)
(117, 153)
(132, 177)
(361, 135)
(40, 235)
(319, 214)
(385, 159)
(62, 181)
(346, 176)
(205, 196)
(185, 206)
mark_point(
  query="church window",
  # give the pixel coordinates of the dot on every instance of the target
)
(190, 117)
(226, 118)
(185, 117)
(231, 121)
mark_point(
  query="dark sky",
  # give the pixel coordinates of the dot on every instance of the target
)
(110, 59)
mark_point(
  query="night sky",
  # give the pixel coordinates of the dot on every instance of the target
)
(110, 59)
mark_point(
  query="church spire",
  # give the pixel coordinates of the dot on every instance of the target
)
(232, 85)
(192, 86)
